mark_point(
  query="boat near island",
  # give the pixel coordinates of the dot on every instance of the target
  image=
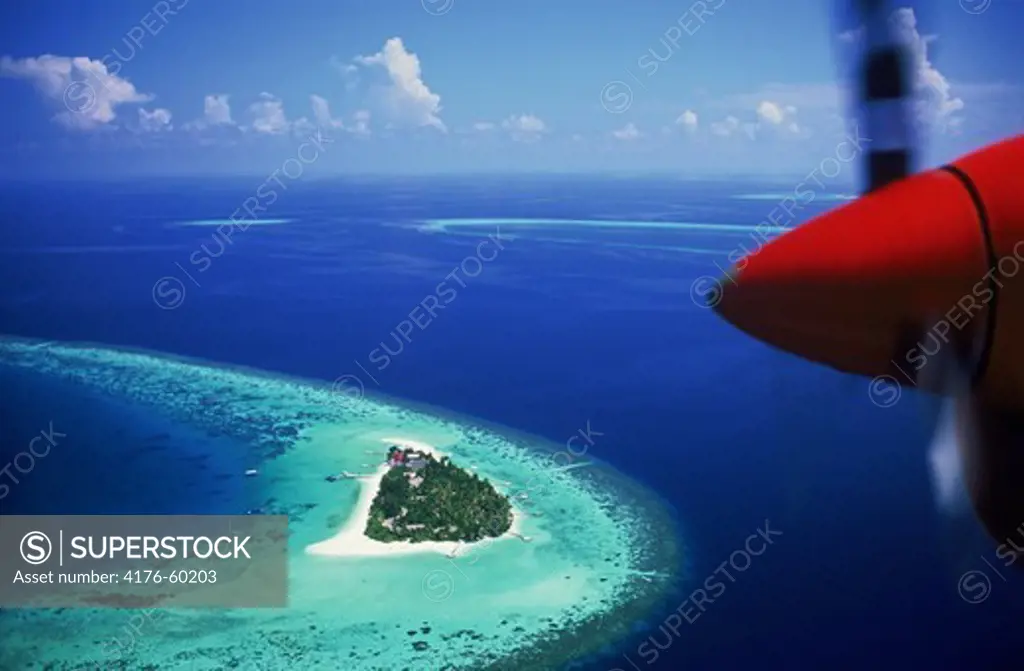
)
(352, 476)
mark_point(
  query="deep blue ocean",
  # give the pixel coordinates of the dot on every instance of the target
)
(566, 325)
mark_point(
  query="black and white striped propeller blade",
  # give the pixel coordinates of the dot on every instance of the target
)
(882, 91)
(977, 448)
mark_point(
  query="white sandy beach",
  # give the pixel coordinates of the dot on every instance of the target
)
(351, 540)
(593, 537)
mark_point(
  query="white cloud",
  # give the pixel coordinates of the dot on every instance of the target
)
(725, 127)
(770, 118)
(483, 126)
(778, 118)
(936, 106)
(358, 125)
(349, 73)
(361, 122)
(408, 98)
(268, 115)
(83, 87)
(322, 113)
(852, 36)
(216, 110)
(155, 121)
(688, 120)
(627, 132)
(808, 97)
(770, 112)
(216, 114)
(525, 127)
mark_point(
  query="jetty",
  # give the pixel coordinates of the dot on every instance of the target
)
(346, 475)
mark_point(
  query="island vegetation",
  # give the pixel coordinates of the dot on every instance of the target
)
(425, 499)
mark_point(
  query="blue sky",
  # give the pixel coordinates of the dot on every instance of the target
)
(186, 87)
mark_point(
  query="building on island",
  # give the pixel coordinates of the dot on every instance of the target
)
(407, 457)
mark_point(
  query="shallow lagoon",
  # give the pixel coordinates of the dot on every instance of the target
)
(157, 434)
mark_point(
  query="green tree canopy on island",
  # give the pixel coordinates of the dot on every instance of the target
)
(436, 501)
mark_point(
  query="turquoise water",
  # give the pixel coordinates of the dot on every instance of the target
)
(602, 550)
(229, 222)
(533, 229)
(448, 224)
(780, 196)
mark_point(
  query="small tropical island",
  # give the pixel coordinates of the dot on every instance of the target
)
(424, 499)
(603, 555)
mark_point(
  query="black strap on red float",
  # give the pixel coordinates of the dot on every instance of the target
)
(989, 334)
